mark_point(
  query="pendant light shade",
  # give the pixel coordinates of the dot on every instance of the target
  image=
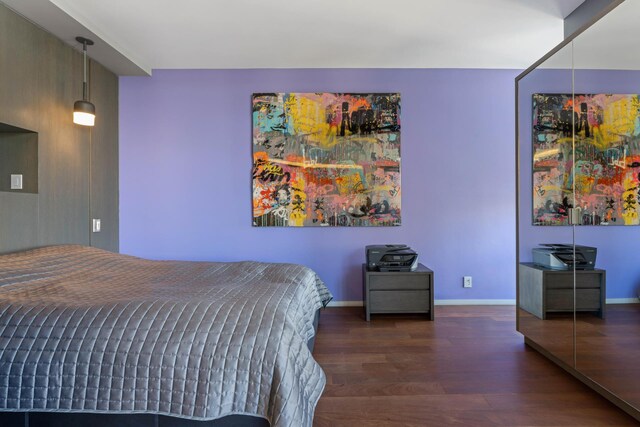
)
(84, 112)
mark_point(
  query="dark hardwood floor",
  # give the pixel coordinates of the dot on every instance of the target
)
(469, 367)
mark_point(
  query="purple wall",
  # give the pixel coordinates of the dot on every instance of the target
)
(618, 246)
(185, 185)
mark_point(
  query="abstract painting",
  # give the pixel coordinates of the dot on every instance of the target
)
(326, 159)
(586, 159)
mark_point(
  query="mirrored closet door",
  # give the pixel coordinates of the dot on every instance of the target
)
(607, 87)
(578, 160)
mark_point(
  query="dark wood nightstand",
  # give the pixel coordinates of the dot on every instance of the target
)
(397, 291)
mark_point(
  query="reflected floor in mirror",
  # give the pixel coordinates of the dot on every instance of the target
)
(608, 350)
(555, 333)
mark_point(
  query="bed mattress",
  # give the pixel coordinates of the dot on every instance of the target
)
(86, 330)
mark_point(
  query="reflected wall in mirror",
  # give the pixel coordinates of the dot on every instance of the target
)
(606, 62)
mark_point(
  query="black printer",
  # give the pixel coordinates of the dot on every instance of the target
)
(391, 258)
(559, 256)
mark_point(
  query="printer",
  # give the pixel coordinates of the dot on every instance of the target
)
(391, 258)
(558, 256)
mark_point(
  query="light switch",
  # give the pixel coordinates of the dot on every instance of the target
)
(16, 181)
(96, 225)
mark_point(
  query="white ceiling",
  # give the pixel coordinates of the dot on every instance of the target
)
(156, 34)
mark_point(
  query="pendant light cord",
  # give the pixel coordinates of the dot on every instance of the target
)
(85, 95)
(90, 186)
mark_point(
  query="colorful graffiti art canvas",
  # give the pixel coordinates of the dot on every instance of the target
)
(586, 159)
(326, 159)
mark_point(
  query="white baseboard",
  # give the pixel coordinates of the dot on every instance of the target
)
(479, 302)
(623, 301)
(437, 302)
(345, 304)
(475, 302)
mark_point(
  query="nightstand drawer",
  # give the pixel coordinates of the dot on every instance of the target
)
(399, 301)
(562, 299)
(565, 280)
(399, 281)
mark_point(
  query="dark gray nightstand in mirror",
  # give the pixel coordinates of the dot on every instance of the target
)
(543, 290)
(397, 291)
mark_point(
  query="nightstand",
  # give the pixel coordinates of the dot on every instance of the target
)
(397, 291)
(543, 290)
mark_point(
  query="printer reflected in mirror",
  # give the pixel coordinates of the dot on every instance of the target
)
(559, 256)
(391, 258)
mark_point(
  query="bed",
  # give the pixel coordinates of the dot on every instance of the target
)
(89, 333)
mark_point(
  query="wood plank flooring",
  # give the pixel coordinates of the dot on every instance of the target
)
(469, 367)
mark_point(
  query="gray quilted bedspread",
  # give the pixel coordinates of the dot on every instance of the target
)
(87, 330)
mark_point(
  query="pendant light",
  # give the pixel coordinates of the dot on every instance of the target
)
(84, 112)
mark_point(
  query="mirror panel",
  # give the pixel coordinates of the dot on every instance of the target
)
(545, 193)
(607, 84)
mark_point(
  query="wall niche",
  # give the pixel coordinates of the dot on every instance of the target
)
(18, 156)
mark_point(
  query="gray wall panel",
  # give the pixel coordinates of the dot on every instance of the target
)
(40, 78)
(18, 221)
(104, 144)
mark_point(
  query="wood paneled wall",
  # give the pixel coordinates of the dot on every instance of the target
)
(40, 78)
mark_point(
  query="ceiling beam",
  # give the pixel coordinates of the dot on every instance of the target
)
(586, 14)
(55, 17)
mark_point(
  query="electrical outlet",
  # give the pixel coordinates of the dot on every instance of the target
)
(467, 281)
(96, 225)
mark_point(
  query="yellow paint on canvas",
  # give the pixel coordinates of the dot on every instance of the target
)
(348, 184)
(630, 216)
(619, 119)
(297, 217)
(584, 184)
(308, 117)
(620, 115)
